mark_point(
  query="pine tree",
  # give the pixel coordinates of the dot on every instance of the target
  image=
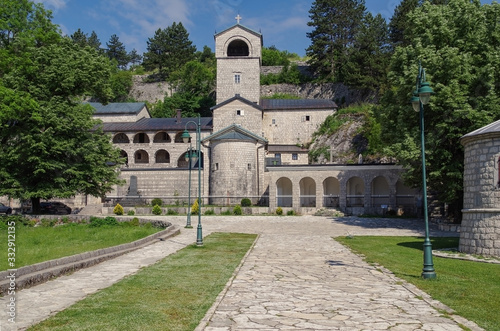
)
(335, 24)
(369, 55)
(169, 50)
(399, 21)
(116, 51)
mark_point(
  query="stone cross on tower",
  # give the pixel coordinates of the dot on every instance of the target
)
(238, 18)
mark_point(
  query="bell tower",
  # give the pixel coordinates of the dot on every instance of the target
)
(238, 53)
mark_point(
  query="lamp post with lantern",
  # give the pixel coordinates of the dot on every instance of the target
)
(186, 138)
(421, 97)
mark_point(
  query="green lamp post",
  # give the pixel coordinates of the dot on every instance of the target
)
(189, 156)
(421, 96)
(186, 138)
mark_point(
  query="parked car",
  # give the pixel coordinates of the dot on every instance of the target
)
(5, 209)
(54, 207)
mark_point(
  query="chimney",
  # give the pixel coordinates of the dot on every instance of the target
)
(178, 120)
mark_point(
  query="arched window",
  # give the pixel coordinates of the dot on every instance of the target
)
(141, 156)
(141, 138)
(237, 48)
(161, 137)
(162, 156)
(120, 138)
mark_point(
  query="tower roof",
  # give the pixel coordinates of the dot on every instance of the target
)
(299, 104)
(235, 132)
(490, 130)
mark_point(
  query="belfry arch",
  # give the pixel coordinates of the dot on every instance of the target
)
(238, 48)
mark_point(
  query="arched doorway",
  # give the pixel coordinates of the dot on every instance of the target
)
(307, 192)
(284, 192)
(380, 192)
(331, 192)
(355, 192)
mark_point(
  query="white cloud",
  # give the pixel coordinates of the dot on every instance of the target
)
(53, 5)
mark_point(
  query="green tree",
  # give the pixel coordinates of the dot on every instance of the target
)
(134, 57)
(169, 50)
(399, 21)
(94, 42)
(335, 24)
(458, 44)
(369, 55)
(194, 85)
(271, 56)
(49, 144)
(79, 38)
(116, 51)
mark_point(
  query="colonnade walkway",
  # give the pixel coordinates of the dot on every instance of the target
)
(295, 277)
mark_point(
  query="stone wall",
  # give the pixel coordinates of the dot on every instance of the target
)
(291, 127)
(236, 169)
(480, 228)
(480, 232)
(250, 117)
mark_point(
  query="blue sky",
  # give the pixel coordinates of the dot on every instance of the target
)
(283, 23)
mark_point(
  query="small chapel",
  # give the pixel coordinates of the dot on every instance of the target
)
(250, 148)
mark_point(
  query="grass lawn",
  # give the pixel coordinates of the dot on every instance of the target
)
(173, 294)
(472, 289)
(39, 244)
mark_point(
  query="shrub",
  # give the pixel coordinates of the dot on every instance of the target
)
(245, 202)
(96, 222)
(118, 210)
(237, 210)
(131, 212)
(209, 212)
(279, 211)
(226, 212)
(46, 222)
(195, 208)
(157, 202)
(157, 210)
(172, 212)
(291, 213)
(134, 221)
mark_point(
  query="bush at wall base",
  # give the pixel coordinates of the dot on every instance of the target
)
(118, 210)
(156, 210)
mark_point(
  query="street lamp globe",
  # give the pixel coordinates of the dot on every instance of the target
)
(185, 136)
(425, 92)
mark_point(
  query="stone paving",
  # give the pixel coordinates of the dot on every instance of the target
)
(296, 277)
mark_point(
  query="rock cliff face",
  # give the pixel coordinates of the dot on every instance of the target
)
(144, 91)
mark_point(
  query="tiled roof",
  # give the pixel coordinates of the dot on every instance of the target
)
(290, 104)
(240, 26)
(492, 128)
(160, 124)
(286, 148)
(131, 108)
(234, 132)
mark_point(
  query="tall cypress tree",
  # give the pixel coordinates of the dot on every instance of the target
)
(335, 24)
